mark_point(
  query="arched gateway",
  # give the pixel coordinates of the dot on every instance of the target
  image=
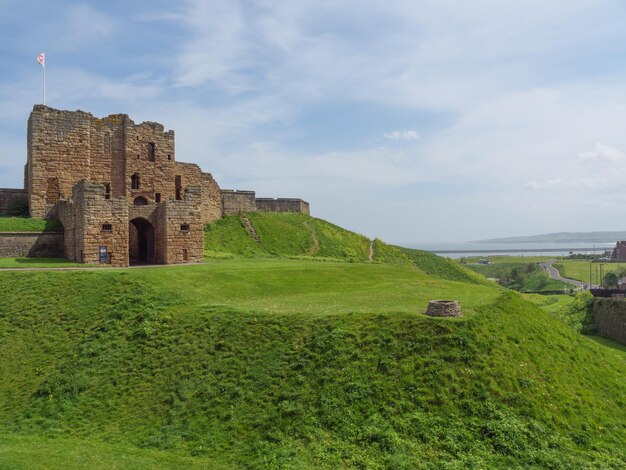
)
(141, 242)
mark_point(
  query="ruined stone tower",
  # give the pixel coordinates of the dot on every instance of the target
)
(120, 193)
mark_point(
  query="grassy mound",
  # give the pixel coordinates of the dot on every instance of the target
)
(303, 237)
(29, 224)
(267, 363)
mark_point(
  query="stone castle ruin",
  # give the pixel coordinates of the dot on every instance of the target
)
(119, 192)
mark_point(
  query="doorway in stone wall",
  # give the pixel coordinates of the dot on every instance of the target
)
(141, 242)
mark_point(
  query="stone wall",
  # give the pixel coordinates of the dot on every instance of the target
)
(610, 319)
(8, 197)
(235, 202)
(183, 228)
(282, 205)
(211, 194)
(23, 244)
(67, 146)
(116, 184)
(91, 221)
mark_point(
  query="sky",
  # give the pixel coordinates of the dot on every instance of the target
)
(410, 121)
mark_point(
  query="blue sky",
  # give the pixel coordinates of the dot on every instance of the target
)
(416, 120)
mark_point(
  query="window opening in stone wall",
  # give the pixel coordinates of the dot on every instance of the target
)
(179, 188)
(151, 151)
(157, 197)
(107, 191)
(52, 191)
(185, 257)
(140, 201)
(134, 182)
(107, 227)
(169, 157)
(184, 227)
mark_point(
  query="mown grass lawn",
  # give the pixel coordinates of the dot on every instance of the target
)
(23, 452)
(585, 270)
(38, 263)
(267, 363)
(275, 355)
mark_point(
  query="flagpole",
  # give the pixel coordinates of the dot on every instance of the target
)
(41, 58)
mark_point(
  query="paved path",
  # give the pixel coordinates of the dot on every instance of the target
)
(551, 271)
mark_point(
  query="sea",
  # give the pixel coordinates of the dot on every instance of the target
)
(473, 249)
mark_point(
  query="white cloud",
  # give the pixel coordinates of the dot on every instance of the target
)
(82, 26)
(549, 184)
(402, 135)
(602, 153)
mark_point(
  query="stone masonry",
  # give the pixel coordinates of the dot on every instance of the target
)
(27, 244)
(119, 191)
(443, 308)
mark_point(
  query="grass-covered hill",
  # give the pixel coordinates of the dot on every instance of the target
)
(29, 224)
(298, 236)
(259, 361)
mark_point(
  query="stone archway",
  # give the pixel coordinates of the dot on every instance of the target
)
(141, 242)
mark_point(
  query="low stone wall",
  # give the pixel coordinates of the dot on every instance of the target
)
(443, 308)
(282, 205)
(8, 197)
(238, 201)
(31, 244)
(610, 319)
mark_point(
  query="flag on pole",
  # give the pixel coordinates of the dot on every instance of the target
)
(41, 58)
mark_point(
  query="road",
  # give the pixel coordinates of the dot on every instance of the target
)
(551, 271)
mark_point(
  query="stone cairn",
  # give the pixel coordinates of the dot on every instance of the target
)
(443, 308)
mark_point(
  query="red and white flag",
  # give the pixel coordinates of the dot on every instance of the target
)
(41, 58)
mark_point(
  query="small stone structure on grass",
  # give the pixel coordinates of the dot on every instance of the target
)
(443, 308)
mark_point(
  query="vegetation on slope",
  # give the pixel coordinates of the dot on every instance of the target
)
(521, 276)
(29, 224)
(303, 237)
(285, 363)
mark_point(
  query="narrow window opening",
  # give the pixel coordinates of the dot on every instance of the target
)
(184, 227)
(179, 187)
(157, 197)
(151, 151)
(169, 157)
(107, 227)
(107, 191)
(134, 182)
(185, 257)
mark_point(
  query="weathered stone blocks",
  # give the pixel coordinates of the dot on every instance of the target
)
(443, 308)
(116, 186)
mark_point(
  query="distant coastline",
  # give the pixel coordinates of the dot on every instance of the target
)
(562, 237)
(470, 249)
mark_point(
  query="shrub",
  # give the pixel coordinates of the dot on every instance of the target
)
(18, 208)
(579, 313)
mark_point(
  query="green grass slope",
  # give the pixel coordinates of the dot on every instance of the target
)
(303, 237)
(29, 224)
(269, 363)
